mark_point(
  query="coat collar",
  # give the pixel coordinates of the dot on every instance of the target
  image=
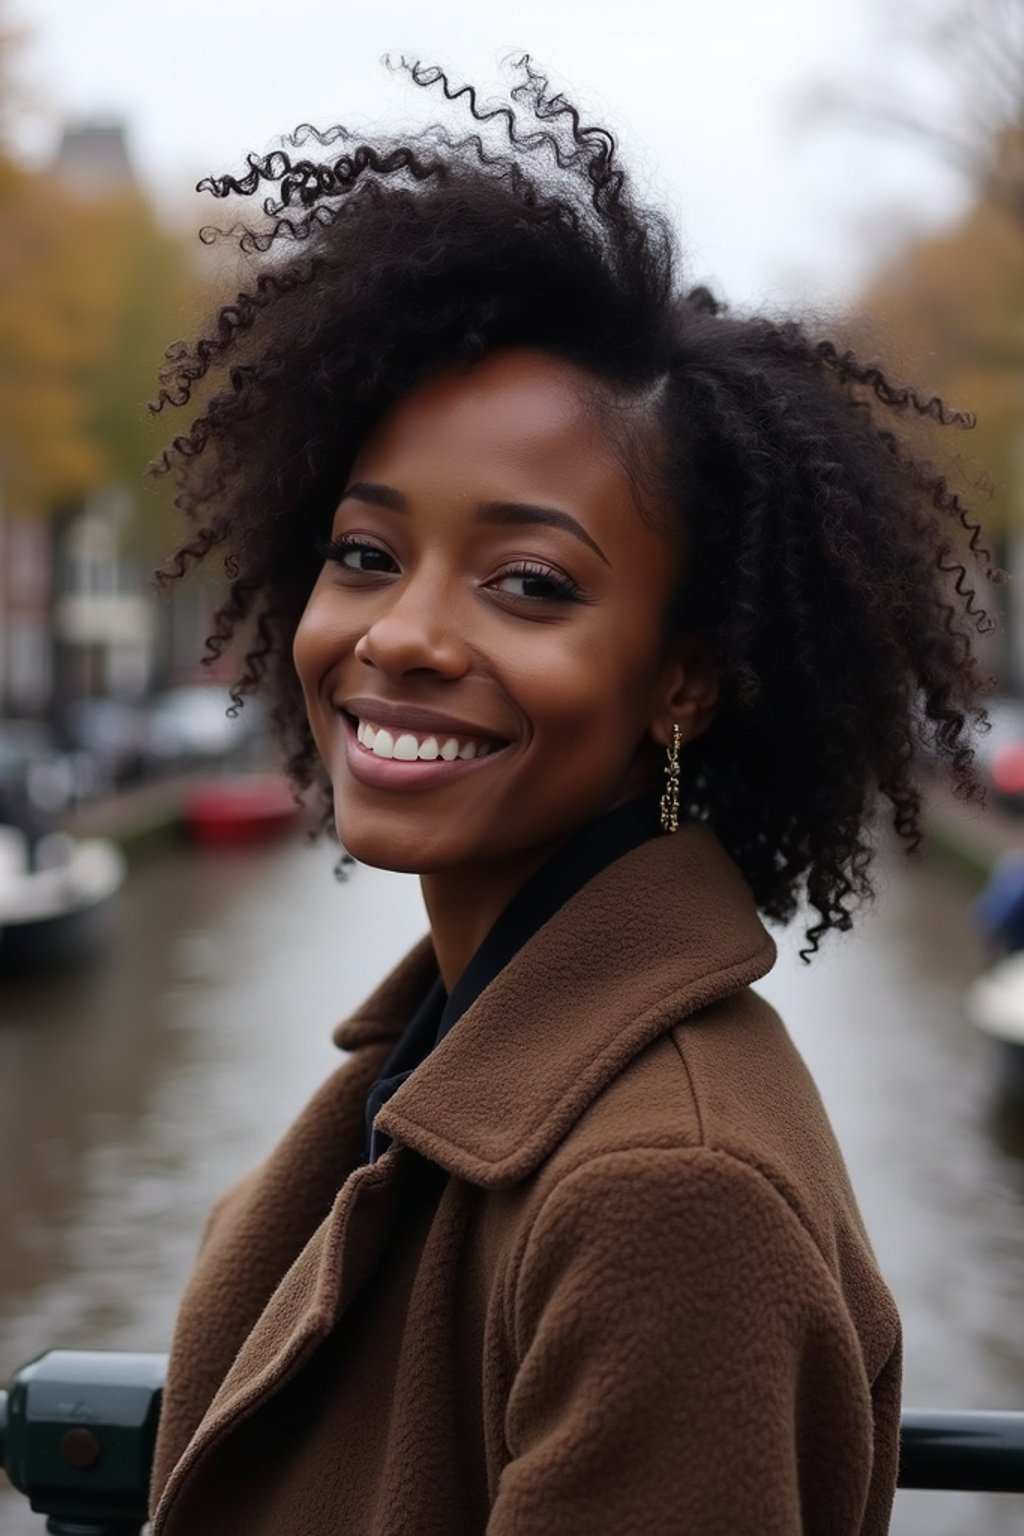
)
(667, 928)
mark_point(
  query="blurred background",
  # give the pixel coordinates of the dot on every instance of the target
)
(172, 954)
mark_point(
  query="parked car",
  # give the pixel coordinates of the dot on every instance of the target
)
(114, 734)
(190, 725)
(37, 779)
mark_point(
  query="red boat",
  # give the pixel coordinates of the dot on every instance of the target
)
(242, 809)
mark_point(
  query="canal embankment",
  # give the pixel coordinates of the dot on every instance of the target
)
(138, 818)
(144, 817)
(970, 837)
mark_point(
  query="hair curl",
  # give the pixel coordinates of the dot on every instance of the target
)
(827, 560)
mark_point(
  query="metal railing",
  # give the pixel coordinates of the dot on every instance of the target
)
(968, 1451)
(77, 1431)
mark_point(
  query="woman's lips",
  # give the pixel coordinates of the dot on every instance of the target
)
(394, 773)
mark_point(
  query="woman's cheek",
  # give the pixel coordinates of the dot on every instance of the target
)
(318, 642)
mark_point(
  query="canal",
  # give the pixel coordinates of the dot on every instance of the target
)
(132, 1091)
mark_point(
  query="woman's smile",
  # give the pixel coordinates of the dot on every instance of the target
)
(404, 759)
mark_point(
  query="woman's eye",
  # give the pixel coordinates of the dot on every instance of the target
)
(356, 555)
(537, 583)
(532, 583)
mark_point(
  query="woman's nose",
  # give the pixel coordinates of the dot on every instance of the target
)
(417, 631)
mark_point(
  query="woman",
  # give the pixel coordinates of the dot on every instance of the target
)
(610, 616)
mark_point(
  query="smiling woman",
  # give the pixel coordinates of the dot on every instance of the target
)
(540, 616)
(614, 618)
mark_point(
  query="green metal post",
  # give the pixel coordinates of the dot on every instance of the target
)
(77, 1431)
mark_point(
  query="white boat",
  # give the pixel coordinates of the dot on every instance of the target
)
(995, 1005)
(56, 906)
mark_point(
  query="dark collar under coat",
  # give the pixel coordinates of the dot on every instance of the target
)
(668, 928)
(549, 888)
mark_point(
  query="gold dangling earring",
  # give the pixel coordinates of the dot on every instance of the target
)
(670, 799)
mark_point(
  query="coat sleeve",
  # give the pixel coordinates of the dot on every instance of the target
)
(685, 1363)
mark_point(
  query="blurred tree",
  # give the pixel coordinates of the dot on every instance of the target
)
(955, 300)
(142, 281)
(11, 94)
(971, 114)
(949, 307)
(44, 448)
(49, 332)
(91, 289)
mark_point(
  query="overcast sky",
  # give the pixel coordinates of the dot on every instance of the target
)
(707, 97)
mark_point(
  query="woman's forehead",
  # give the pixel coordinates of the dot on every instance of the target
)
(519, 398)
(519, 423)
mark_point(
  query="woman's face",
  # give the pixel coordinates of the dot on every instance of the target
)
(493, 611)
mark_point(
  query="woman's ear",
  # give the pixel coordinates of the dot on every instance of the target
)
(689, 690)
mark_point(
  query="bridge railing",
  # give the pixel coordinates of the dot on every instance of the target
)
(77, 1430)
(967, 1450)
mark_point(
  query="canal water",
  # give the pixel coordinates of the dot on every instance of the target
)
(132, 1091)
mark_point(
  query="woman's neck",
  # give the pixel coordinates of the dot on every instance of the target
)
(463, 905)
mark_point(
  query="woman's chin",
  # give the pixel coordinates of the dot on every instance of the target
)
(383, 845)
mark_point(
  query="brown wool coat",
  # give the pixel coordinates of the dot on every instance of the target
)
(610, 1278)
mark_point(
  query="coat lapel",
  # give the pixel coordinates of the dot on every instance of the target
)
(321, 1284)
(664, 930)
(313, 1295)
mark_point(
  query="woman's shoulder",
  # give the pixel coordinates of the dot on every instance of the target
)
(726, 1089)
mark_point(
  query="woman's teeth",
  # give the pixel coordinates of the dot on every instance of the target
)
(408, 748)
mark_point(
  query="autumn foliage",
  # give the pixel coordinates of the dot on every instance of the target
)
(955, 304)
(90, 289)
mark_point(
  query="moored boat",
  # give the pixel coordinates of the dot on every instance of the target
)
(56, 905)
(240, 808)
(995, 1005)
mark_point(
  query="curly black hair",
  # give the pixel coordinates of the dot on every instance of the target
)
(827, 559)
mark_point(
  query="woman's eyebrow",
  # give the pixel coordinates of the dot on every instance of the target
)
(376, 495)
(524, 512)
(487, 512)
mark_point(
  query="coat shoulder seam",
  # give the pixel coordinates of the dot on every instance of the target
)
(690, 1154)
